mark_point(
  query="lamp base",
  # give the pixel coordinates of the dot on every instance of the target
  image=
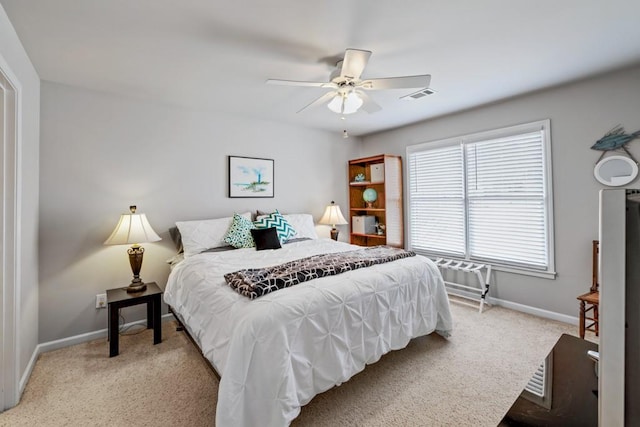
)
(334, 233)
(136, 287)
(136, 252)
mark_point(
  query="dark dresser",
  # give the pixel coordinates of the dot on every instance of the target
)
(571, 398)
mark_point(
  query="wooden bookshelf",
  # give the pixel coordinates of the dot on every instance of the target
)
(383, 173)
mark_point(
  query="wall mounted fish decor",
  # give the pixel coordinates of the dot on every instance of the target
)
(615, 139)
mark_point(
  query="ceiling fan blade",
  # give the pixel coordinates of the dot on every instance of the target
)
(323, 99)
(297, 83)
(406, 82)
(369, 105)
(354, 62)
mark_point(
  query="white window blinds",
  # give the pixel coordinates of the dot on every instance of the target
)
(436, 212)
(483, 197)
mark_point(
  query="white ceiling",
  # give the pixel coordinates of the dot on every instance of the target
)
(216, 55)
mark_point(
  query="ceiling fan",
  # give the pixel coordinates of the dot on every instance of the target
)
(348, 90)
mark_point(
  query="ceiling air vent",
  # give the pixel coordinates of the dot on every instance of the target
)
(419, 94)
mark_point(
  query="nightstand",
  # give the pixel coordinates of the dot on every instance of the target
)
(119, 298)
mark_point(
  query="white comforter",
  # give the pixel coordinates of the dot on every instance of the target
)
(275, 353)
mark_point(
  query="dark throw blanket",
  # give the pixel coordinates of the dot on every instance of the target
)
(255, 282)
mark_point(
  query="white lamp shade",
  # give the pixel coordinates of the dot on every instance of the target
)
(335, 104)
(132, 228)
(345, 103)
(352, 102)
(333, 216)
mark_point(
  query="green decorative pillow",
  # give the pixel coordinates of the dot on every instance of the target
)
(283, 228)
(239, 234)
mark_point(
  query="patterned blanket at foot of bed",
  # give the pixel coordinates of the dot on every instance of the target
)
(255, 282)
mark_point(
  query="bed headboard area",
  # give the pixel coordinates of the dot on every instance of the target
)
(216, 228)
(176, 238)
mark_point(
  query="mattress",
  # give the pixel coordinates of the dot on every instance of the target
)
(275, 353)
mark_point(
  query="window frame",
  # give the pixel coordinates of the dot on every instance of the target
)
(462, 141)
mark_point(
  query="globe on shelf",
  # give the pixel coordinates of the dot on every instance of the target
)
(370, 195)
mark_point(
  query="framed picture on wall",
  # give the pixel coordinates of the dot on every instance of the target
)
(250, 177)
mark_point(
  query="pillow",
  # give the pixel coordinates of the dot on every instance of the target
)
(301, 223)
(176, 238)
(198, 236)
(266, 238)
(239, 235)
(283, 228)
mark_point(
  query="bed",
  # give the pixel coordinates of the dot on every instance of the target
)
(276, 352)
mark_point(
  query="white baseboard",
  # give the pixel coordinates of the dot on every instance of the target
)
(102, 333)
(27, 372)
(545, 314)
(66, 342)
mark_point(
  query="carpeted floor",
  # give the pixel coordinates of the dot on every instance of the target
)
(469, 379)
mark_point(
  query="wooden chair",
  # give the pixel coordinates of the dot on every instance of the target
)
(589, 301)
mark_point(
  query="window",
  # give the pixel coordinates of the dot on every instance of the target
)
(484, 197)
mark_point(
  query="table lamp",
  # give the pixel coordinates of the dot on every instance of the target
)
(333, 216)
(133, 228)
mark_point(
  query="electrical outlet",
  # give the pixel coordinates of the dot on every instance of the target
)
(101, 301)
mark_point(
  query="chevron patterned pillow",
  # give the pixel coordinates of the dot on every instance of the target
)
(283, 228)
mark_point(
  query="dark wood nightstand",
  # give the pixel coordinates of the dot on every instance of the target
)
(119, 298)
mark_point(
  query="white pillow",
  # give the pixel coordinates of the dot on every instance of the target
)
(198, 236)
(303, 224)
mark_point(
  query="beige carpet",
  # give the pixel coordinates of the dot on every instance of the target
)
(470, 379)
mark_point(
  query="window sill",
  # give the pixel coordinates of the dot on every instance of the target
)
(551, 275)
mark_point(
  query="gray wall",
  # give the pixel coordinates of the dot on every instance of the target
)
(580, 114)
(101, 153)
(12, 53)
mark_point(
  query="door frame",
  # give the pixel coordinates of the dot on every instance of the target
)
(10, 96)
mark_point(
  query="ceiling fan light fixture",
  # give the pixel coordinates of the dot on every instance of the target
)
(335, 104)
(345, 103)
(352, 102)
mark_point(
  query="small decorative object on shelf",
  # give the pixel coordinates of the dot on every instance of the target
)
(380, 229)
(364, 224)
(377, 173)
(359, 177)
(369, 196)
